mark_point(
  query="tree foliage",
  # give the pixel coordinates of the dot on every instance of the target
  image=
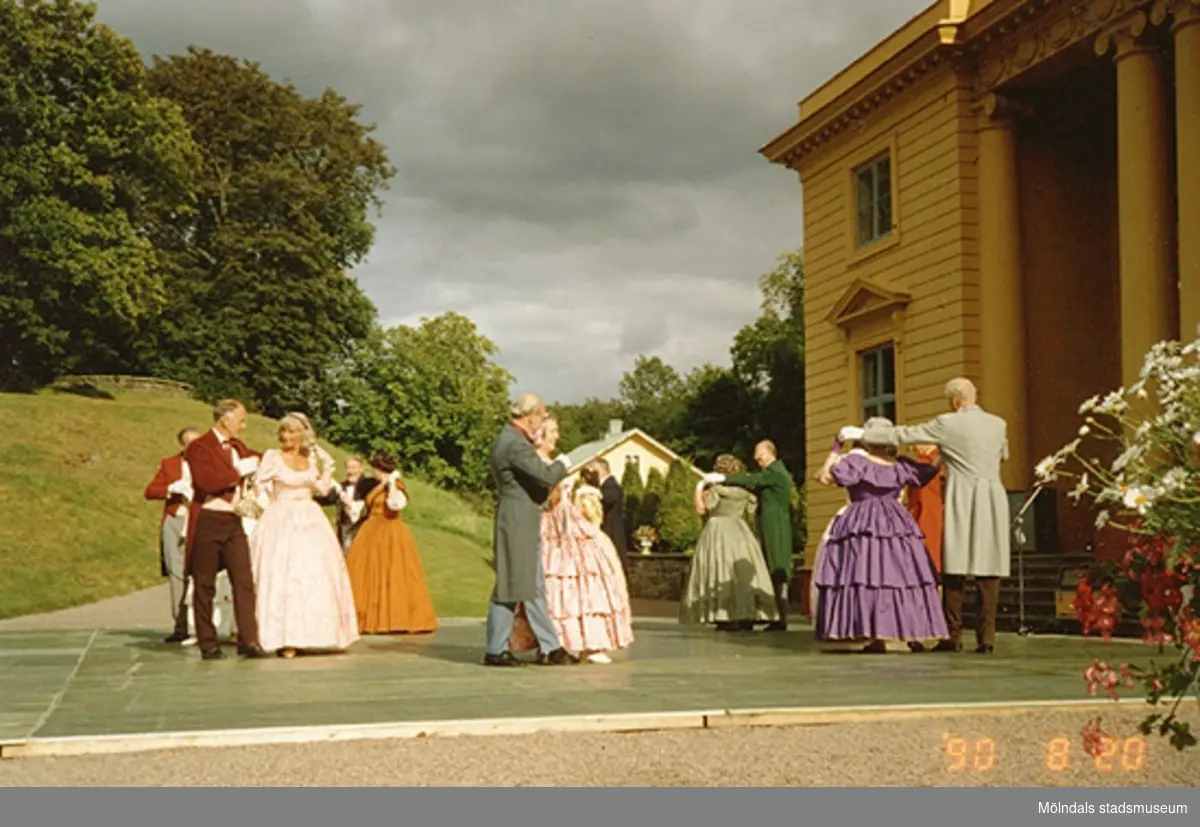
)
(651, 499)
(654, 396)
(634, 489)
(678, 524)
(431, 395)
(260, 301)
(768, 357)
(91, 163)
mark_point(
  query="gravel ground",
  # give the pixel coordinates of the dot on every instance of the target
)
(897, 753)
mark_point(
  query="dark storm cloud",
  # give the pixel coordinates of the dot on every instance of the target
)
(581, 179)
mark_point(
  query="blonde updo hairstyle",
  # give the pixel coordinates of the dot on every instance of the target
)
(296, 421)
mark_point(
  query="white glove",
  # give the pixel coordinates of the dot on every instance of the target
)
(714, 478)
(565, 460)
(850, 433)
(180, 488)
(246, 466)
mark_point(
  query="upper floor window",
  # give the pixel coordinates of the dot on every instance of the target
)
(873, 200)
(877, 367)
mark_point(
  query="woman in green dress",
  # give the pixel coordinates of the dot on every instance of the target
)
(729, 584)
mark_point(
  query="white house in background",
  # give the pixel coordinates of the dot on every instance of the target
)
(621, 448)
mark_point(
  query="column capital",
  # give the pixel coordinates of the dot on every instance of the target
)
(1184, 12)
(1125, 32)
(1000, 110)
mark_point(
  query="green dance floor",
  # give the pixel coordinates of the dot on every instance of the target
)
(79, 683)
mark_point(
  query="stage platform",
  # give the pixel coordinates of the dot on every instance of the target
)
(76, 692)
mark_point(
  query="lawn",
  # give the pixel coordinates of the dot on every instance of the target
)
(76, 529)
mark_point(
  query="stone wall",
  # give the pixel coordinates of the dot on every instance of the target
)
(125, 383)
(664, 577)
(658, 576)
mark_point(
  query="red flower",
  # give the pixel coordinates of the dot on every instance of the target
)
(1094, 737)
(1097, 611)
(1100, 674)
(1189, 632)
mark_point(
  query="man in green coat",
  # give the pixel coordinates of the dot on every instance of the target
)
(773, 487)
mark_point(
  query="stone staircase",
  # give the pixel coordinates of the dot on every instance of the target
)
(1049, 593)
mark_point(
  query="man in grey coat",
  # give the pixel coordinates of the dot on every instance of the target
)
(523, 483)
(976, 543)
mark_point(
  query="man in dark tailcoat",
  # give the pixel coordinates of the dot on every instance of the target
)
(613, 501)
(773, 486)
(523, 482)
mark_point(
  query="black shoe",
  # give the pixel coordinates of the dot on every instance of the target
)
(559, 657)
(916, 646)
(212, 654)
(176, 637)
(875, 647)
(777, 626)
(253, 652)
(502, 659)
(947, 646)
(984, 649)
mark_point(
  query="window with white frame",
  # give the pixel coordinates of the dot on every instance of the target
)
(877, 370)
(873, 200)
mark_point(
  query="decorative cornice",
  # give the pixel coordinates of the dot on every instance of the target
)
(1039, 31)
(1183, 11)
(852, 117)
(993, 49)
(1127, 28)
(948, 27)
(997, 107)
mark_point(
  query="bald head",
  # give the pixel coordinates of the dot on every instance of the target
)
(961, 392)
(765, 453)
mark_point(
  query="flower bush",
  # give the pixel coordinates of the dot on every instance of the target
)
(1137, 460)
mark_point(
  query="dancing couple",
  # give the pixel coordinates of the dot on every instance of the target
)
(292, 589)
(560, 587)
(873, 574)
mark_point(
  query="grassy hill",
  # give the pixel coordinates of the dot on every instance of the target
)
(76, 529)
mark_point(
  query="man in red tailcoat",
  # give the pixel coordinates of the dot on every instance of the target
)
(219, 464)
(173, 485)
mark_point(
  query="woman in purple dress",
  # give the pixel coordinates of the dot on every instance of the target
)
(874, 579)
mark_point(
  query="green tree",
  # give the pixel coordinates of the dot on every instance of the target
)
(651, 498)
(586, 421)
(431, 395)
(260, 299)
(90, 162)
(720, 415)
(654, 397)
(634, 489)
(677, 522)
(768, 356)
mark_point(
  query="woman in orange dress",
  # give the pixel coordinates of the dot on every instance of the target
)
(926, 506)
(390, 595)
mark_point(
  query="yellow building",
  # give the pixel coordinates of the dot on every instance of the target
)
(1007, 190)
(623, 447)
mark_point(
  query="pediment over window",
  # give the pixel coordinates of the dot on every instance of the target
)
(864, 299)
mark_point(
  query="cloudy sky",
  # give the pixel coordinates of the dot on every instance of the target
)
(579, 178)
